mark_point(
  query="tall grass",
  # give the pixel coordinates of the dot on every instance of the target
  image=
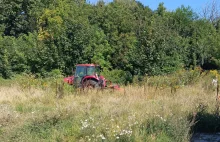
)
(32, 110)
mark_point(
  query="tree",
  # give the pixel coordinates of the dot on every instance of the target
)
(211, 11)
(18, 16)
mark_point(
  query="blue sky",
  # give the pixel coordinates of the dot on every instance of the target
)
(196, 5)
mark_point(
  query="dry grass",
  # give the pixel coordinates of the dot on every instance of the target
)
(11, 94)
(38, 115)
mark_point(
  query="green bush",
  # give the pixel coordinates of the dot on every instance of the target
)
(115, 76)
(56, 73)
(176, 80)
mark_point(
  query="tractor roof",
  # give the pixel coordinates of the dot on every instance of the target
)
(87, 65)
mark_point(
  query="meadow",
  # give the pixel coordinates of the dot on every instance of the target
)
(156, 109)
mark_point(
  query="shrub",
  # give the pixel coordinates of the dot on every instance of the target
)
(56, 73)
(115, 76)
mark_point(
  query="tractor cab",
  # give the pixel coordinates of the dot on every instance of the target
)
(85, 71)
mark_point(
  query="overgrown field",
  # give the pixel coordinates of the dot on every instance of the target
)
(46, 110)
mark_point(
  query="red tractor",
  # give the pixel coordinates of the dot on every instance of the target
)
(88, 76)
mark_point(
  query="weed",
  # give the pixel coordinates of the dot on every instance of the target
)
(146, 112)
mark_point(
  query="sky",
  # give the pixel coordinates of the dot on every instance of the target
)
(171, 5)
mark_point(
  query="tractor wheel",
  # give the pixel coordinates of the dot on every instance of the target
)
(90, 84)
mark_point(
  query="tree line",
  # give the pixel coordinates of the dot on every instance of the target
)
(123, 36)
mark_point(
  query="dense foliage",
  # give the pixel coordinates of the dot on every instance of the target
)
(124, 36)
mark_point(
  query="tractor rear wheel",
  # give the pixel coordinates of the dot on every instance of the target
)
(90, 84)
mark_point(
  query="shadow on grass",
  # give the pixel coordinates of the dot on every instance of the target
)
(207, 123)
(204, 121)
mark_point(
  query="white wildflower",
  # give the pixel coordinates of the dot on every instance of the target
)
(102, 136)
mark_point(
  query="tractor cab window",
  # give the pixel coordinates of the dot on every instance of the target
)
(80, 71)
(90, 70)
(93, 70)
(97, 70)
